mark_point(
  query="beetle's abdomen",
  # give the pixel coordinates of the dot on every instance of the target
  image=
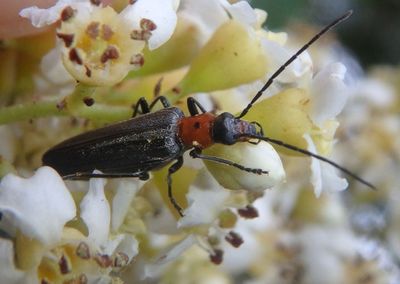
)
(139, 144)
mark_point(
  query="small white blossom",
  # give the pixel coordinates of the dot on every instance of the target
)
(38, 206)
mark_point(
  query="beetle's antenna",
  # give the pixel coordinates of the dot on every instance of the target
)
(291, 59)
(308, 153)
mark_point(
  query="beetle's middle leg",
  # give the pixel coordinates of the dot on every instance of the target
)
(87, 175)
(172, 169)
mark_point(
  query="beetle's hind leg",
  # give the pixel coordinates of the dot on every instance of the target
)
(86, 175)
(196, 153)
(172, 169)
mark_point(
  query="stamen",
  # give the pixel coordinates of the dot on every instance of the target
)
(217, 256)
(249, 212)
(67, 38)
(107, 32)
(67, 13)
(234, 239)
(83, 251)
(111, 52)
(92, 30)
(74, 56)
(64, 265)
(147, 25)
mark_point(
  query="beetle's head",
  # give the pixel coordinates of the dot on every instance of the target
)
(228, 130)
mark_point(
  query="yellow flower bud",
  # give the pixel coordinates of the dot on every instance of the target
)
(233, 56)
(284, 117)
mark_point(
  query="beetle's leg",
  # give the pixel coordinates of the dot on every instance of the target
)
(194, 106)
(196, 153)
(163, 101)
(171, 170)
(146, 108)
(85, 175)
(143, 105)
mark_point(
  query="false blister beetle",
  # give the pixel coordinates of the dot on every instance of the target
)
(151, 141)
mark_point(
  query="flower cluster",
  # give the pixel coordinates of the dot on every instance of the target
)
(99, 61)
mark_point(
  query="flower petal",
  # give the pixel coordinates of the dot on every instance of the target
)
(241, 11)
(121, 202)
(328, 93)
(323, 176)
(44, 17)
(171, 254)
(161, 12)
(38, 206)
(206, 199)
(122, 243)
(278, 55)
(95, 211)
(9, 273)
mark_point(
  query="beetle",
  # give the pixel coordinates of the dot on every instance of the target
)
(153, 140)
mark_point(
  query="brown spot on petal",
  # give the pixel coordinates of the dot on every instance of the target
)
(137, 60)
(217, 256)
(95, 2)
(67, 38)
(64, 265)
(83, 251)
(88, 101)
(107, 32)
(147, 25)
(67, 13)
(121, 259)
(92, 30)
(132, 2)
(140, 35)
(176, 90)
(103, 260)
(74, 56)
(111, 52)
(234, 239)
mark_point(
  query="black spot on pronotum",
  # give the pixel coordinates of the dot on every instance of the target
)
(196, 125)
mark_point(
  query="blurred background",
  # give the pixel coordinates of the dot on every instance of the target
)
(372, 33)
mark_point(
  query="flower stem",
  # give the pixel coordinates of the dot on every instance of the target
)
(73, 105)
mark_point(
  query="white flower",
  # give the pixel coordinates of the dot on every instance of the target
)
(101, 46)
(38, 206)
(206, 199)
